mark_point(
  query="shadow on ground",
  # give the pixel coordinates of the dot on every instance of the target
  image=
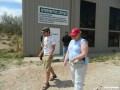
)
(62, 84)
(57, 60)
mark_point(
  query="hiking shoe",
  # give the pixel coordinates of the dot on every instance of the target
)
(45, 86)
(53, 78)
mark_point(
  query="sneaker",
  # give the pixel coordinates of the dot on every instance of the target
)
(45, 86)
(53, 78)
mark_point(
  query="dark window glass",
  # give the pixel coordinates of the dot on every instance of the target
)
(89, 36)
(113, 39)
(114, 23)
(87, 14)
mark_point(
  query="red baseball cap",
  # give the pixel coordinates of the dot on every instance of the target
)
(75, 31)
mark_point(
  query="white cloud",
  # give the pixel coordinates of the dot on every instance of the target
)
(10, 11)
(15, 1)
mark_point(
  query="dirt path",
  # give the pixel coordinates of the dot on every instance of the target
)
(99, 75)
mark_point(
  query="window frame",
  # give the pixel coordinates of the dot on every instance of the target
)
(113, 30)
(89, 28)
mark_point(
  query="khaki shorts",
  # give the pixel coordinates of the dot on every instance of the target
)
(47, 63)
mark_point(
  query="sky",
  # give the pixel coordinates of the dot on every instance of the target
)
(11, 7)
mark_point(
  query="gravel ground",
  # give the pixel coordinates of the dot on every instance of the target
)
(100, 76)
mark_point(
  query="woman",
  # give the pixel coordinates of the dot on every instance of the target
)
(78, 60)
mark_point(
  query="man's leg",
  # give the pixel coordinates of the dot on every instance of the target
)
(46, 84)
(47, 77)
(53, 75)
(52, 71)
(64, 51)
(47, 64)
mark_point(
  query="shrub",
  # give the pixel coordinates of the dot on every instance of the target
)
(13, 42)
(11, 24)
(14, 37)
(2, 35)
(8, 39)
(11, 50)
(19, 55)
(10, 44)
(10, 54)
(9, 36)
(4, 42)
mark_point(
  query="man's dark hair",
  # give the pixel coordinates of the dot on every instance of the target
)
(66, 32)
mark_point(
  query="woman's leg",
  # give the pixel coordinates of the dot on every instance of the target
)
(79, 77)
(72, 72)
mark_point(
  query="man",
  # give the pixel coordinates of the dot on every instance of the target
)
(48, 49)
(66, 39)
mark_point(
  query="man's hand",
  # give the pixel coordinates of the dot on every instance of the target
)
(40, 56)
(50, 56)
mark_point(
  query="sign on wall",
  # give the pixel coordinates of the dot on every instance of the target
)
(49, 15)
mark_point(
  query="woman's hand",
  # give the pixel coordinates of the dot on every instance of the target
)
(64, 63)
(72, 60)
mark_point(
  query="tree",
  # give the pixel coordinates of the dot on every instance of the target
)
(11, 25)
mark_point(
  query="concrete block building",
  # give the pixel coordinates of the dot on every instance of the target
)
(99, 21)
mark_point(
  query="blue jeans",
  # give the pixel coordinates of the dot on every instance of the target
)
(64, 51)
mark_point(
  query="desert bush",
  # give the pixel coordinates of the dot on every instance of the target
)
(4, 42)
(2, 35)
(19, 55)
(13, 43)
(10, 57)
(9, 36)
(17, 42)
(20, 42)
(2, 66)
(11, 50)
(10, 54)
(11, 24)
(105, 58)
(19, 62)
(10, 44)
(14, 37)
(7, 39)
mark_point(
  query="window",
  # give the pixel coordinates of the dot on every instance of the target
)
(89, 36)
(114, 27)
(87, 21)
(87, 14)
(113, 39)
(114, 23)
